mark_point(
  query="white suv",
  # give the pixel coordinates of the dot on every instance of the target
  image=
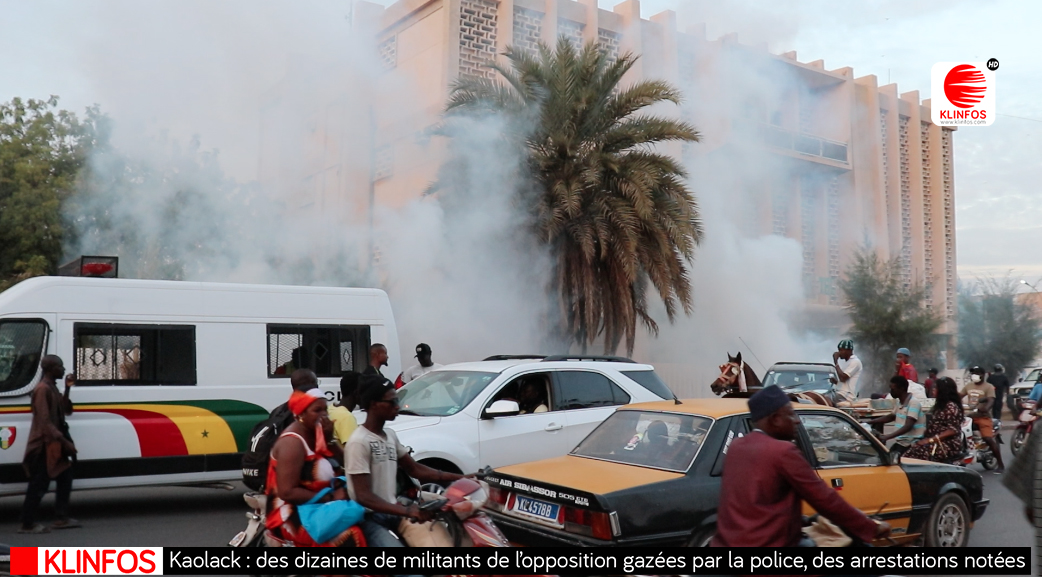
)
(465, 416)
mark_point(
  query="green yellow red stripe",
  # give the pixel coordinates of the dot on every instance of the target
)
(172, 428)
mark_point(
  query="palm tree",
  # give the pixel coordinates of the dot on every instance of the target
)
(614, 213)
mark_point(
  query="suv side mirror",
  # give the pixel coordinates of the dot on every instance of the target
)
(834, 380)
(502, 408)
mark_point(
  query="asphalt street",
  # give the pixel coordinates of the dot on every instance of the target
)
(193, 516)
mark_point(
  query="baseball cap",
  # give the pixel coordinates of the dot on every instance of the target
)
(904, 351)
(423, 349)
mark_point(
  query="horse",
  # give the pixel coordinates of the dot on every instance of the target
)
(736, 379)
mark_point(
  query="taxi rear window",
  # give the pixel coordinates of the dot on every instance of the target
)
(655, 440)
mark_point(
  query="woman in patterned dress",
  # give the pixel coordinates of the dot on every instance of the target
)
(943, 437)
(299, 468)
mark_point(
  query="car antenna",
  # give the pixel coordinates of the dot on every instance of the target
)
(751, 352)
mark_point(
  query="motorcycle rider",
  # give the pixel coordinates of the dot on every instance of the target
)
(373, 457)
(981, 394)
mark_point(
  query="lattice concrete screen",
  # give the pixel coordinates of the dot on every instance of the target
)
(949, 224)
(388, 51)
(571, 30)
(609, 42)
(528, 29)
(906, 203)
(477, 37)
(924, 134)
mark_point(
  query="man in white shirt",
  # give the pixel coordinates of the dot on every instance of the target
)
(848, 367)
(423, 354)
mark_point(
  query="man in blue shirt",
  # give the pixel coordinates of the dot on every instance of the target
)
(907, 417)
(1036, 392)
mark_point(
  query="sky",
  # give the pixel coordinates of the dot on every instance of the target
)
(997, 168)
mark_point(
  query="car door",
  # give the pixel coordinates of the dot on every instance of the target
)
(586, 398)
(857, 466)
(521, 438)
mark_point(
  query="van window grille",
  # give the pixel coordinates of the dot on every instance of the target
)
(115, 354)
(329, 350)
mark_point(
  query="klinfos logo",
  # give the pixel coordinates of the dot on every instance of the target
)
(963, 93)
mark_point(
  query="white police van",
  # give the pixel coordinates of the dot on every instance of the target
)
(171, 375)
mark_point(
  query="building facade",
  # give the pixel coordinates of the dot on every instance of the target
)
(842, 161)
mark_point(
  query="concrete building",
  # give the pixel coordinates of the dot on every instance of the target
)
(849, 161)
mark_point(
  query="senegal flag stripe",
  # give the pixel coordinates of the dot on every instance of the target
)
(205, 426)
(157, 435)
(203, 432)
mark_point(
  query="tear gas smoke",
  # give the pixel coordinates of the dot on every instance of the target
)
(458, 278)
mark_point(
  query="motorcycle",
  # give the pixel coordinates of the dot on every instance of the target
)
(458, 508)
(1028, 415)
(974, 448)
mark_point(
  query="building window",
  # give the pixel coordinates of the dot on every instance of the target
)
(330, 351)
(115, 354)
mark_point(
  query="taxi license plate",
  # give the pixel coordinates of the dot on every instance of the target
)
(535, 508)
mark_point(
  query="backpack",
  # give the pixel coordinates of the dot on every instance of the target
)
(262, 438)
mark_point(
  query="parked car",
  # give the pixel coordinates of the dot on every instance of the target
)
(650, 476)
(794, 378)
(466, 416)
(1022, 388)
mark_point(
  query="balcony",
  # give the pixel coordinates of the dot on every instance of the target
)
(798, 142)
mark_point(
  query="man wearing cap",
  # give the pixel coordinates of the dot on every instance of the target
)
(848, 367)
(980, 394)
(904, 366)
(765, 479)
(423, 354)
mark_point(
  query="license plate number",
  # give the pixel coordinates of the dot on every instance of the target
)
(536, 508)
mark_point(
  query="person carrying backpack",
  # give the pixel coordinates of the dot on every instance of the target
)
(266, 432)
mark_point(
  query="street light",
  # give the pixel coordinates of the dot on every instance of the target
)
(1024, 282)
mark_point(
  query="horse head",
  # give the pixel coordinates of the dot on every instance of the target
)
(729, 373)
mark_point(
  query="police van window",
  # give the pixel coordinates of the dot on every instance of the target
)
(116, 354)
(582, 390)
(22, 344)
(330, 351)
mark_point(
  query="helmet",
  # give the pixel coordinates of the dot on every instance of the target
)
(977, 369)
(845, 344)
(998, 368)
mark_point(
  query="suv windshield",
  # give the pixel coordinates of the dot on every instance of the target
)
(798, 380)
(648, 439)
(1032, 376)
(21, 346)
(442, 393)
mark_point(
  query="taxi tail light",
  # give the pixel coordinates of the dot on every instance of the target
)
(497, 498)
(590, 523)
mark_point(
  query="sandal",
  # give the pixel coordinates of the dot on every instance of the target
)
(36, 529)
(69, 523)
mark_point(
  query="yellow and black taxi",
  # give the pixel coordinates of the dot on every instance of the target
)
(650, 475)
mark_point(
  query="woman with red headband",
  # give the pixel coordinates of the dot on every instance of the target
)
(299, 468)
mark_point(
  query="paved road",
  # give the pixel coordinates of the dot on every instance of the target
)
(191, 516)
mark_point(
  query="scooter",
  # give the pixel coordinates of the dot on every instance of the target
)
(1028, 415)
(459, 508)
